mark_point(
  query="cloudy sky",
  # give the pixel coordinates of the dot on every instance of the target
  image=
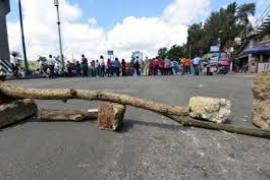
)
(92, 27)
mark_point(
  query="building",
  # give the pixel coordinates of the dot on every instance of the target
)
(255, 56)
(4, 48)
(259, 54)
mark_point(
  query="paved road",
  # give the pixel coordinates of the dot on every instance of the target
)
(148, 147)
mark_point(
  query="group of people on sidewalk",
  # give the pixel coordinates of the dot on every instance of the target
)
(115, 67)
(95, 68)
(98, 68)
(165, 66)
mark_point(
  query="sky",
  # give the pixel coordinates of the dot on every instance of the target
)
(92, 27)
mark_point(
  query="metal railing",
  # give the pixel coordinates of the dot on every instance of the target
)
(262, 67)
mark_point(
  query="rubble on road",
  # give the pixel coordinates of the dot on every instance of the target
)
(261, 104)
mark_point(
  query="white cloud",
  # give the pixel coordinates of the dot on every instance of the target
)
(184, 12)
(92, 21)
(147, 34)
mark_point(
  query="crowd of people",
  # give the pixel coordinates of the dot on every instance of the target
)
(95, 68)
(115, 67)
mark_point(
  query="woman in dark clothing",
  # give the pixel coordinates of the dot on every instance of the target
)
(137, 67)
(109, 68)
(78, 68)
(103, 66)
(123, 67)
(85, 66)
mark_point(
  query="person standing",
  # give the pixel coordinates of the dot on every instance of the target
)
(109, 68)
(98, 68)
(186, 66)
(196, 65)
(161, 66)
(15, 69)
(85, 68)
(116, 67)
(167, 64)
(171, 68)
(57, 69)
(137, 66)
(156, 66)
(78, 68)
(146, 69)
(51, 64)
(93, 68)
(69, 69)
(123, 67)
(103, 66)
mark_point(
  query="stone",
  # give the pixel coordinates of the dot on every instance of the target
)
(261, 104)
(110, 116)
(261, 86)
(216, 110)
(261, 114)
(17, 111)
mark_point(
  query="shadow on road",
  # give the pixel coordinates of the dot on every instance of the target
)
(129, 124)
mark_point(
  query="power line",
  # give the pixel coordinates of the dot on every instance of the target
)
(266, 13)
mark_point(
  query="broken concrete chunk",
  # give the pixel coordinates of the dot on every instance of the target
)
(111, 116)
(261, 87)
(261, 114)
(211, 109)
(16, 111)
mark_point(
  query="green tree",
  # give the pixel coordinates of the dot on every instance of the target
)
(220, 28)
(244, 11)
(175, 52)
(162, 52)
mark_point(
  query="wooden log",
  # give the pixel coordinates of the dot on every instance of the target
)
(98, 95)
(111, 116)
(67, 115)
(187, 121)
(16, 111)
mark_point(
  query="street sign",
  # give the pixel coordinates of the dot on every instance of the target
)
(110, 52)
(214, 49)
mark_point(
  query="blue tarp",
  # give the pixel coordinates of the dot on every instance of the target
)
(263, 49)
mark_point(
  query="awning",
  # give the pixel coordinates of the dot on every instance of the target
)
(263, 49)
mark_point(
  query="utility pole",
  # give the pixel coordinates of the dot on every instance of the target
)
(56, 3)
(190, 51)
(23, 39)
(219, 41)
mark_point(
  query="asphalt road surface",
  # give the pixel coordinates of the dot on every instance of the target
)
(149, 145)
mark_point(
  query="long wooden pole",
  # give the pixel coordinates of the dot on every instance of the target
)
(99, 95)
(187, 121)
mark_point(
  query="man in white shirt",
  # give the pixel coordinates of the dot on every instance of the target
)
(196, 63)
(51, 64)
(102, 66)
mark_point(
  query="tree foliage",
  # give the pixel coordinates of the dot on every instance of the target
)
(174, 53)
(162, 52)
(220, 28)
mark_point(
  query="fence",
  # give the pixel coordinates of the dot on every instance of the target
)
(263, 67)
